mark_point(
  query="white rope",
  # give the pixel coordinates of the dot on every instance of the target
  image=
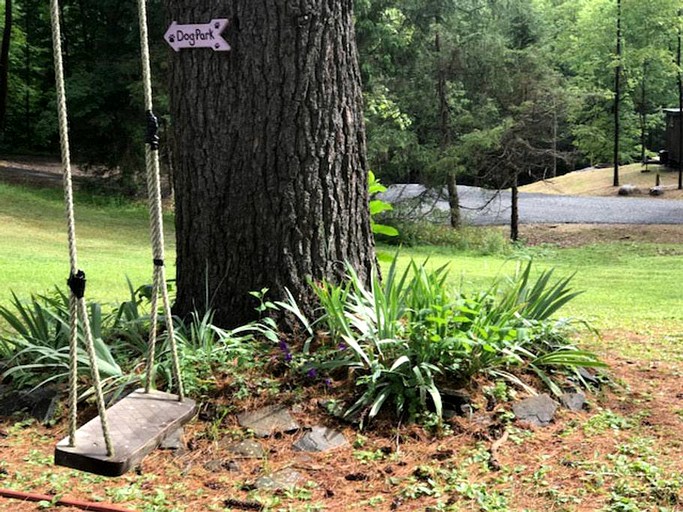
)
(156, 219)
(76, 304)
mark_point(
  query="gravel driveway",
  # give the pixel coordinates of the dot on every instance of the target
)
(484, 207)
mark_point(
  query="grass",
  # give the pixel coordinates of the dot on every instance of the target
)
(598, 182)
(628, 285)
(112, 243)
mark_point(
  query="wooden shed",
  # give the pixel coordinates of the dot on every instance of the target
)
(673, 129)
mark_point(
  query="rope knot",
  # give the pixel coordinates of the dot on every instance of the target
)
(152, 137)
(76, 284)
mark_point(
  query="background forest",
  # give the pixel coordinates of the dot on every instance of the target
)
(477, 91)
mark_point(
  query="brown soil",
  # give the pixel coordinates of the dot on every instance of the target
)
(576, 235)
(35, 171)
(391, 465)
(599, 182)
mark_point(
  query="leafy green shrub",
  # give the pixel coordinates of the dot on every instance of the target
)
(403, 338)
(377, 207)
(38, 347)
(207, 352)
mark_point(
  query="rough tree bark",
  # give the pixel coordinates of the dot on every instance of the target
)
(4, 63)
(271, 174)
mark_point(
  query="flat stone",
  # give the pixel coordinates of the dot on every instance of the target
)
(573, 401)
(174, 441)
(268, 421)
(538, 410)
(657, 191)
(247, 449)
(283, 479)
(320, 439)
(41, 403)
(234, 467)
(589, 376)
(456, 402)
(215, 466)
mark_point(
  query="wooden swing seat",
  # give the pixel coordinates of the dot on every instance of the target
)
(138, 424)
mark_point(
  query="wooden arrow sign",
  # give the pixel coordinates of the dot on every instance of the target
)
(203, 35)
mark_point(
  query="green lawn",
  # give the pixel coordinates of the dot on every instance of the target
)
(627, 285)
(113, 243)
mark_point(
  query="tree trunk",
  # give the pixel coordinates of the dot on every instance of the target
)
(454, 201)
(271, 172)
(680, 113)
(4, 63)
(444, 126)
(514, 210)
(27, 66)
(617, 98)
(555, 130)
(643, 114)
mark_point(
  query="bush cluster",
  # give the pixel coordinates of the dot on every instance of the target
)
(402, 339)
(395, 344)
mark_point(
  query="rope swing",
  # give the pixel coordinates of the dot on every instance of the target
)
(155, 214)
(77, 281)
(151, 407)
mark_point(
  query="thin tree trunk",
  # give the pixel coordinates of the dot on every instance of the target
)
(444, 125)
(454, 201)
(617, 98)
(27, 61)
(643, 114)
(514, 210)
(271, 172)
(554, 172)
(680, 113)
(4, 64)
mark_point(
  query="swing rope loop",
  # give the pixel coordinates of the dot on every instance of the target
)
(155, 213)
(152, 137)
(76, 281)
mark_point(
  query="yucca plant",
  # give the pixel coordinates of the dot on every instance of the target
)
(130, 323)
(538, 300)
(405, 335)
(39, 341)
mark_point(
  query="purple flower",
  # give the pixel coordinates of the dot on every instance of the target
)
(285, 351)
(342, 346)
(312, 373)
(328, 382)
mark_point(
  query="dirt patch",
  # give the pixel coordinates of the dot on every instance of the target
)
(388, 468)
(577, 235)
(599, 182)
(36, 171)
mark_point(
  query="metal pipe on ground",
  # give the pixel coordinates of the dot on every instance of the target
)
(66, 502)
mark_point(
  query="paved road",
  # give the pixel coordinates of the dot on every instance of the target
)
(484, 207)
